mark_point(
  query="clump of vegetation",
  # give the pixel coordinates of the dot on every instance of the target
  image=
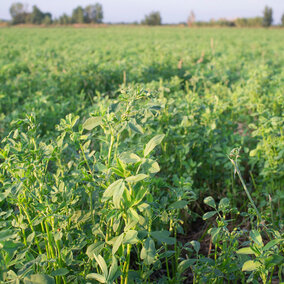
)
(153, 19)
(116, 166)
(267, 17)
(21, 15)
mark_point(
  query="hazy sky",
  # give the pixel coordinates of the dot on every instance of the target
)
(172, 11)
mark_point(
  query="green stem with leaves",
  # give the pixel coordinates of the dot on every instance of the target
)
(110, 150)
(127, 263)
(235, 163)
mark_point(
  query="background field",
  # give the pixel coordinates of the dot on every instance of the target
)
(207, 90)
(39, 66)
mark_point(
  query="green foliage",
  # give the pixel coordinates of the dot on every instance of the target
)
(116, 161)
(64, 19)
(153, 19)
(94, 13)
(266, 257)
(78, 15)
(267, 17)
(36, 16)
(249, 22)
(89, 14)
(18, 13)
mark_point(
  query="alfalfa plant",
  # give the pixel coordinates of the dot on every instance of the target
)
(266, 257)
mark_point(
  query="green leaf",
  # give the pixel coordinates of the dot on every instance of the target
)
(39, 279)
(60, 272)
(140, 195)
(58, 236)
(30, 237)
(101, 262)
(136, 178)
(112, 241)
(164, 237)
(153, 143)
(273, 260)
(185, 264)
(10, 247)
(148, 251)
(7, 235)
(94, 249)
(151, 166)
(115, 190)
(196, 246)
(251, 265)
(246, 250)
(210, 202)
(96, 276)
(116, 223)
(131, 237)
(256, 237)
(165, 217)
(117, 243)
(133, 214)
(136, 127)
(129, 158)
(92, 122)
(117, 195)
(215, 234)
(272, 243)
(74, 120)
(178, 204)
(111, 188)
(3, 195)
(112, 270)
(253, 152)
(209, 215)
(144, 206)
(130, 225)
(224, 204)
(101, 167)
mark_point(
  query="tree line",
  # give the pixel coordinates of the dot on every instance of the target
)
(90, 14)
(94, 14)
(265, 21)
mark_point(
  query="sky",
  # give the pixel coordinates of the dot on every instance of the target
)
(172, 11)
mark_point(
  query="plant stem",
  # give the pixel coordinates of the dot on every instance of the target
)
(110, 150)
(167, 263)
(176, 248)
(85, 159)
(49, 240)
(91, 208)
(23, 231)
(45, 242)
(245, 188)
(127, 263)
(32, 228)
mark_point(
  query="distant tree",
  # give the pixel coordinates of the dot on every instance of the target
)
(223, 22)
(47, 20)
(64, 20)
(267, 17)
(191, 19)
(94, 13)
(282, 20)
(78, 15)
(18, 13)
(153, 19)
(37, 16)
(249, 22)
